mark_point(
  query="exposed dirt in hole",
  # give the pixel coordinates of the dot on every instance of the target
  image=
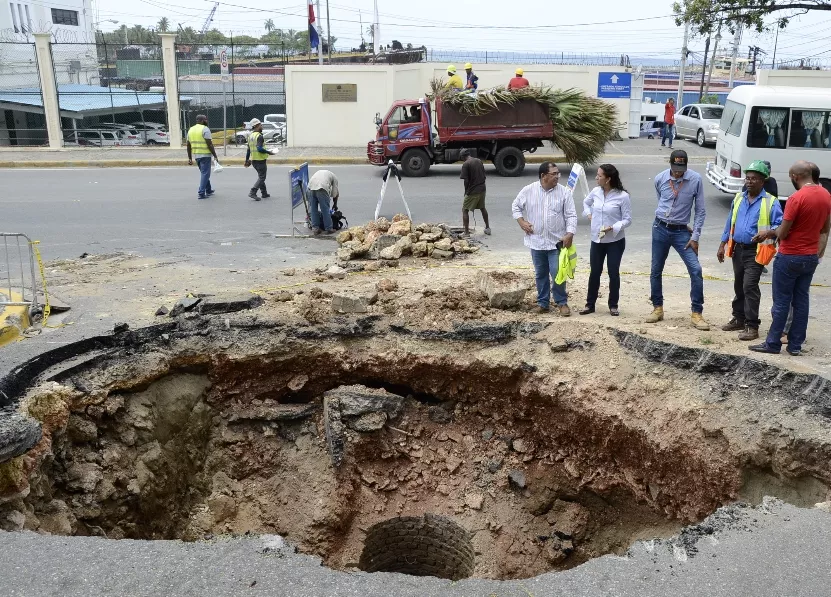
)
(548, 457)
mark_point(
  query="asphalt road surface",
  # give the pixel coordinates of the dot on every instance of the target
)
(155, 212)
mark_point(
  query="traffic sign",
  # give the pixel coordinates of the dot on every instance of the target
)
(223, 64)
(614, 85)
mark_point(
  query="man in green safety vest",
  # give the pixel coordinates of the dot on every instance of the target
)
(256, 156)
(754, 213)
(201, 148)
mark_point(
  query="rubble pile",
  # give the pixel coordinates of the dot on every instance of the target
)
(389, 241)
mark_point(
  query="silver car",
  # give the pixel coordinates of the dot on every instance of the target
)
(699, 122)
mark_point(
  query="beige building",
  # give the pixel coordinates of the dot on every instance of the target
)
(349, 121)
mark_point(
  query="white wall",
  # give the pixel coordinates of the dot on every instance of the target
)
(794, 78)
(311, 122)
(39, 17)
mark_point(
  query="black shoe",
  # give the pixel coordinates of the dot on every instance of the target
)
(763, 347)
(253, 195)
(200, 196)
(210, 193)
(734, 325)
(794, 353)
(266, 195)
(586, 310)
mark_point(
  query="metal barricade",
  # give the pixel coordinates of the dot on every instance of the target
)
(22, 290)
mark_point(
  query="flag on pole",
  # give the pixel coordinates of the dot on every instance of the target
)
(314, 38)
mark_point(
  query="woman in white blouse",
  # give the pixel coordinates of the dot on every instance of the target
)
(610, 210)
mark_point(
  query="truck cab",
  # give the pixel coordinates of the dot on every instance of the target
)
(405, 126)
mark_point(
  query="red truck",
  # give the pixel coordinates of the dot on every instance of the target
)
(406, 135)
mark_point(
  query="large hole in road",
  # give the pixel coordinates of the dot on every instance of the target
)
(416, 459)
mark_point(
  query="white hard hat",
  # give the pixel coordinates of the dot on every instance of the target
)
(254, 122)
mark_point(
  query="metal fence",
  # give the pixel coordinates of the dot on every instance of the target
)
(486, 57)
(110, 94)
(255, 88)
(21, 103)
(18, 277)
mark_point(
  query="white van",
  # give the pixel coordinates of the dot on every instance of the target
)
(779, 124)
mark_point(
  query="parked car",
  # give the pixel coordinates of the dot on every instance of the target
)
(276, 118)
(652, 128)
(152, 133)
(92, 138)
(272, 133)
(699, 122)
(127, 134)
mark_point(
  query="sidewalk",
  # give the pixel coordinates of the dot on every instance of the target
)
(121, 157)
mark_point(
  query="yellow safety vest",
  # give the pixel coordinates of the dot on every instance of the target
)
(567, 266)
(256, 155)
(198, 144)
(455, 82)
(763, 226)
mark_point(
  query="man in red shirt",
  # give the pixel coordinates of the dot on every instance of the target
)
(518, 82)
(807, 216)
(669, 122)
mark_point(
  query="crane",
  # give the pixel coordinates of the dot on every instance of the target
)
(210, 19)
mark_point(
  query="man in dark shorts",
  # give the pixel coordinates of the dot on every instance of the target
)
(473, 173)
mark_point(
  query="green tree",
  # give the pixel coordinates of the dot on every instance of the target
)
(269, 25)
(750, 13)
(163, 25)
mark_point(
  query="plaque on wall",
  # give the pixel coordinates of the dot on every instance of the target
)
(341, 92)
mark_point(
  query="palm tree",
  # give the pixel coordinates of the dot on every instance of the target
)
(163, 25)
(269, 25)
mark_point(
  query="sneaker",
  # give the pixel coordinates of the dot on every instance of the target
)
(656, 315)
(763, 347)
(748, 334)
(794, 353)
(539, 309)
(329, 232)
(200, 196)
(253, 195)
(563, 311)
(488, 231)
(316, 231)
(699, 323)
(734, 325)
(210, 193)
(266, 195)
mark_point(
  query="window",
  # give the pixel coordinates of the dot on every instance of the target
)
(64, 17)
(28, 17)
(810, 129)
(732, 118)
(685, 111)
(14, 18)
(768, 127)
(398, 116)
(694, 113)
(711, 113)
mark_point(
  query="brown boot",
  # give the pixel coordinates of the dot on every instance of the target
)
(699, 323)
(563, 311)
(748, 334)
(539, 310)
(734, 325)
(656, 315)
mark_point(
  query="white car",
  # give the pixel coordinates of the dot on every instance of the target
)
(699, 122)
(272, 133)
(126, 134)
(92, 138)
(152, 133)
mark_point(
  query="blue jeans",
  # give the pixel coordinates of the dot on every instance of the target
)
(792, 275)
(204, 164)
(669, 133)
(319, 203)
(546, 264)
(662, 240)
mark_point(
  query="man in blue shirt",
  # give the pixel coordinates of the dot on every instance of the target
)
(747, 207)
(679, 191)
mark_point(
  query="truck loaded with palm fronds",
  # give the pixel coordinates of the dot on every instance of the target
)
(497, 125)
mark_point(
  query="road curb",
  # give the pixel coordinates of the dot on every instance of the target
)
(278, 161)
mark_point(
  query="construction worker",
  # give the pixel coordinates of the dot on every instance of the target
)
(201, 148)
(472, 84)
(519, 81)
(454, 81)
(256, 155)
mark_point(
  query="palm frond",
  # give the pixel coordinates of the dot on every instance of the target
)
(582, 124)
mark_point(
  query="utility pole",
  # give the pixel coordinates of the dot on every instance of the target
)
(736, 41)
(319, 37)
(682, 72)
(704, 66)
(328, 33)
(713, 60)
(775, 45)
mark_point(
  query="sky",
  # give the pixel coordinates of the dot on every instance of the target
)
(600, 26)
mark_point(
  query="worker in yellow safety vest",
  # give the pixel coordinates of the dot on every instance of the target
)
(201, 148)
(256, 156)
(748, 239)
(454, 81)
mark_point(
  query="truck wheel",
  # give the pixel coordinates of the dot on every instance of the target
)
(415, 162)
(509, 161)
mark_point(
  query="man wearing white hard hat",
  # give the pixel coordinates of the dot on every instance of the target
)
(256, 156)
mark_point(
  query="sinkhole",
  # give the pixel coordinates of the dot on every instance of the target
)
(379, 454)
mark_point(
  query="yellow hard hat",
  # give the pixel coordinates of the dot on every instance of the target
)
(468, 66)
(451, 68)
(519, 72)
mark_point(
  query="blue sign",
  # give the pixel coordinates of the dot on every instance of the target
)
(299, 183)
(614, 85)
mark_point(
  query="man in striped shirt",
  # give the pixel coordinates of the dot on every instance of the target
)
(545, 211)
